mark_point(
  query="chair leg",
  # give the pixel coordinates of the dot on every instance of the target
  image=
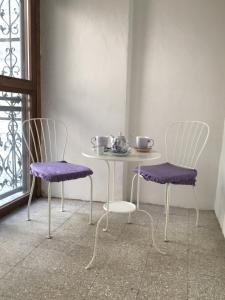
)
(49, 210)
(131, 196)
(167, 211)
(152, 230)
(30, 198)
(165, 198)
(196, 206)
(91, 200)
(108, 197)
(62, 195)
(96, 240)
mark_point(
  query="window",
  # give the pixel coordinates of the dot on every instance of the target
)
(19, 91)
(13, 27)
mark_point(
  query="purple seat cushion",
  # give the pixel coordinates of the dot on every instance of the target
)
(59, 171)
(168, 173)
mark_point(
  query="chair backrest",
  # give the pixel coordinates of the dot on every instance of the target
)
(41, 136)
(185, 142)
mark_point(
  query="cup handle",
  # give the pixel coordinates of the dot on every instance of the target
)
(150, 143)
(93, 140)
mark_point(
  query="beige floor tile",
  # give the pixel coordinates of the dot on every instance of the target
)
(177, 245)
(70, 267)
(206, 264)
(137, 235)
(211, 245)
(4, 269)
(175, 223)
(140, 218)
(205, 233)
(179, 211)
(54, 285)
(97, 208)
(201, 264)
(220, 267)
(43, 260)
(167, 264)
(220, 288)
(80, 255)
(17, 232)
(118, 282)
(17, 289)
(163, 286)
(130, 255)
(12, 253)
(126, 265)
(154, 208)
(201, 287)
(58, 244)
(114, 232)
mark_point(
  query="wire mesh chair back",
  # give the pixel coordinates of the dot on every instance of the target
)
(41, 136)
(185, 142)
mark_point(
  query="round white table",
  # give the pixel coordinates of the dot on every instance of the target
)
(134, 156)
(122, 206)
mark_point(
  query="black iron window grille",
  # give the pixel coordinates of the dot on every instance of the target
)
(11, 104)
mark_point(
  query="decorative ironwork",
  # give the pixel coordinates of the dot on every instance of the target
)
(10, 38)
(10, 103)
(10, 143)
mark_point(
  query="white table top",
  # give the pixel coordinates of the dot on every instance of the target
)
(134, 156)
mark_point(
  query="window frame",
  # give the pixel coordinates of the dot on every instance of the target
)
(31, 87)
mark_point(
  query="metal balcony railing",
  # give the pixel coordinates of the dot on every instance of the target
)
(10, 146)
(11, 104)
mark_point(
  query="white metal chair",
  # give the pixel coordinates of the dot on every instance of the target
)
(46, 155)
(185, 142)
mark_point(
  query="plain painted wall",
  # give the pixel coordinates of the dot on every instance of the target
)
(178, 73)
(84, 69)
(220, 191)
(134, 66)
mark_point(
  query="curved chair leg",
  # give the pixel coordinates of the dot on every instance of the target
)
(167, 211)
(196, 206)
(131, 197)
(108, 196)
(30, 198)
(49, 210)
(152, 230)
(106, 228)
(96, 240)
(91, 200)
(62, 195)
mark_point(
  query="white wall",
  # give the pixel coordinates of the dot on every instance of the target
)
(178, 73)
(84, 69)
(220, 191)
(174, 69)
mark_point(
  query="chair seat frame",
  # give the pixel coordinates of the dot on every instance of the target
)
(190, 141)
(38, 133)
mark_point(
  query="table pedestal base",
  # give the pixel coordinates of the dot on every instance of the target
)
(125, 208)
(120, 207)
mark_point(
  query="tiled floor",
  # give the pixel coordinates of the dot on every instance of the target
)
(127, 267)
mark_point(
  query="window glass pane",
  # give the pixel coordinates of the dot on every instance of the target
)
(13, 165)
(13, 38)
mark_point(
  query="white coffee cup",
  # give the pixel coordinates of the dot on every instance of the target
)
(98, 141)
(100, 150)
(144, 142)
